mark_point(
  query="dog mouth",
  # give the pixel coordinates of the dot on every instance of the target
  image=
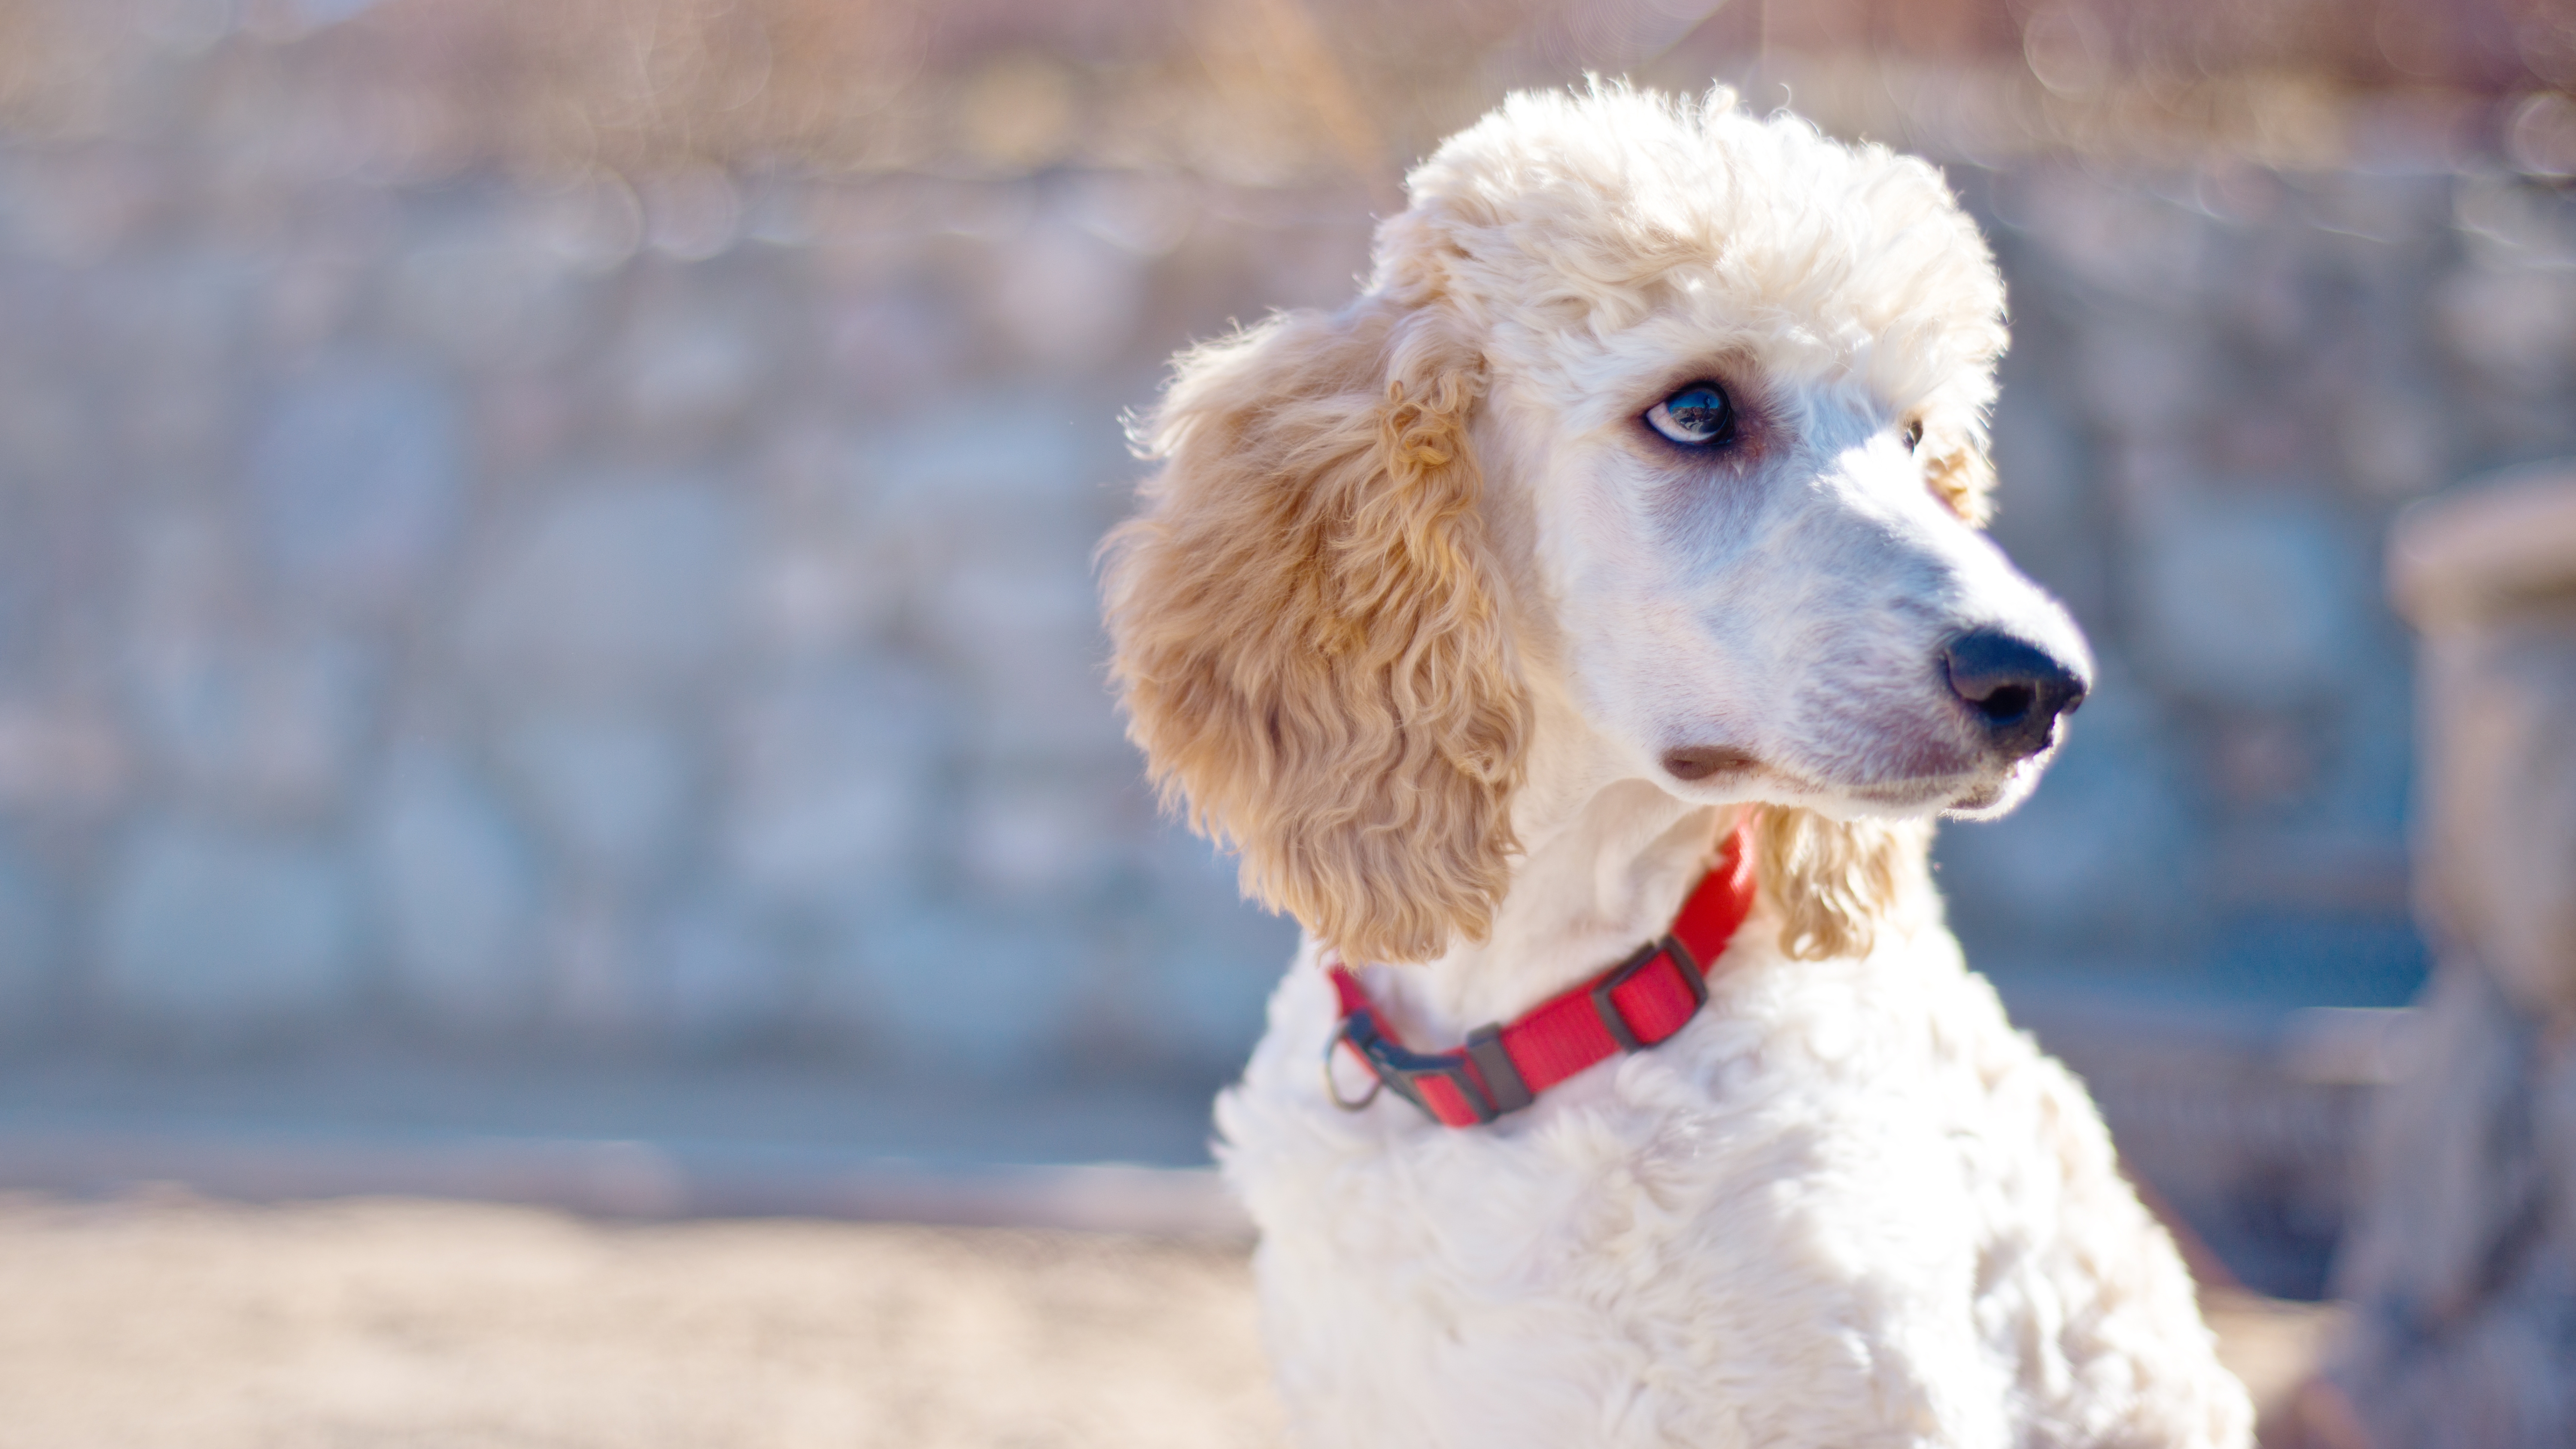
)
(1973, 793)
(1727, 767)
(1693, 764)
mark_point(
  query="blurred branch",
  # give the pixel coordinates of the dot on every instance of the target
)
(1298, 52)
(1273, 92)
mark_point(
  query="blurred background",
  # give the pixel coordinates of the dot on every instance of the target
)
(547, 642)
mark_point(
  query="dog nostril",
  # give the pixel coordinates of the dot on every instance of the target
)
(2006, 705)
(2013, 688)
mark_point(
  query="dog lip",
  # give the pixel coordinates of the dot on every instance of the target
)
(1942, 791)
(1907, 795)
(1980, 797)
(1970, 792)
(1698, 762)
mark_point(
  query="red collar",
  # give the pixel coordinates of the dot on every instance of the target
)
(1636, 1004)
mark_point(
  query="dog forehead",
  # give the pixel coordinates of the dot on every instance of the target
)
(1618, 223)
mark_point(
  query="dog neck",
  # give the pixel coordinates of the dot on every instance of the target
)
(1608, 858)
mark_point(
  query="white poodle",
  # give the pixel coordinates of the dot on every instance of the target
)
(1608, 570)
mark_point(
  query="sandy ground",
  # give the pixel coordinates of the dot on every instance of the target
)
(169, 1321)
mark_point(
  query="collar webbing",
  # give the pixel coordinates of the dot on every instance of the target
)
(1643, 1000)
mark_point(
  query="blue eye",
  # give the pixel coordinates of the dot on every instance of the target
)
(1698, 416)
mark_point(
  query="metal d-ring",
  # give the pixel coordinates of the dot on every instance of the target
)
(1333, 1088)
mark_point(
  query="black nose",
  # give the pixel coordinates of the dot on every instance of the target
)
(2014, 689)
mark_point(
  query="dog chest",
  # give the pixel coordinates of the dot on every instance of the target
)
(1849, 1205)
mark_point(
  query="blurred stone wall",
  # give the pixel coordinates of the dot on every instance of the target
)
(651, 611)
(2223, 384)
(499, 615)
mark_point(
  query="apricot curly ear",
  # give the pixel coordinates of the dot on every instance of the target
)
(1831, 882)
(1964, 476)
(1306, 632)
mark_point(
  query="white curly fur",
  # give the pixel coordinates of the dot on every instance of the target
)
(1848, 1205)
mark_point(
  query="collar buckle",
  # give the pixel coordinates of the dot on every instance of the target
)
(1612, 1020)
(1445, 1087)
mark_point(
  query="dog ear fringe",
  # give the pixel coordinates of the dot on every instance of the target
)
(1965, 479)
(1832, 882)
(1306, 631)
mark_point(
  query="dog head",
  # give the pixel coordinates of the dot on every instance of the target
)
(1668, 413)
